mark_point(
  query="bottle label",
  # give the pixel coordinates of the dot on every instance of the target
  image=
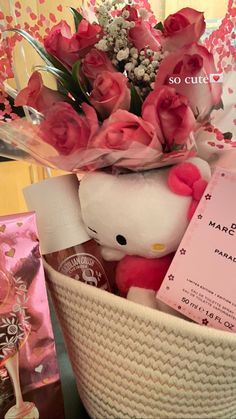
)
(86, 268)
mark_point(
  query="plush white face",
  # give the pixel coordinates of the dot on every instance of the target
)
(136, 214)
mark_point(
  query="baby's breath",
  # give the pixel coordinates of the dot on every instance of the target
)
(140, 67)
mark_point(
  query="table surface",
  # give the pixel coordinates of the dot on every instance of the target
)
(74, 408)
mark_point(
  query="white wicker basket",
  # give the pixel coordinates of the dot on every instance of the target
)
(134, 362)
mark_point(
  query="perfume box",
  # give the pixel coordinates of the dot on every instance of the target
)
(201, 281)
(29, 377)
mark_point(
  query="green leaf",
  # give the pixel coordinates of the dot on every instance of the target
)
(159, 26)
(66, 81)
(77, 17)
(136, 101)
(75, 75)
(48, 58)
(219, 105)
(177, 147)
(228, 135)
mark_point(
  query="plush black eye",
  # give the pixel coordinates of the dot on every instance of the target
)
(121, 240)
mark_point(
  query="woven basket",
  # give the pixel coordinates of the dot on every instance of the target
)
(134, 362)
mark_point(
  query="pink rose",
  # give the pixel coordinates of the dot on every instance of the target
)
(182, 28)
(123, 130)
(170, 114)
(86, 37)
(94, 63)
(110, 92)
(66, 130)
(69, 48)
(58, 44)
(37, 95)
(143, 35)
(133, 14)
(188, 71)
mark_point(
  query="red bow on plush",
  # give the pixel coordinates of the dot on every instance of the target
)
(185, 179)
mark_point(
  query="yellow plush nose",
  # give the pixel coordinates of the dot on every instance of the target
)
(158, 247)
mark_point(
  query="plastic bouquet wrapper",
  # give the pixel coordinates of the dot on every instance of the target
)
(29, 378)
(216, 139)
(132, 94)
(10, 152)
(138, 156)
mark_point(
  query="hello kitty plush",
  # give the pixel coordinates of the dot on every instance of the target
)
(140, 218)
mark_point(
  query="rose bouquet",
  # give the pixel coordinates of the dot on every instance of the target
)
(132, 94)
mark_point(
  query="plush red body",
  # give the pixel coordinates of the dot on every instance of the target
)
(135, 271)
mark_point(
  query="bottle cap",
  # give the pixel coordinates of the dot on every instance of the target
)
(56, 203)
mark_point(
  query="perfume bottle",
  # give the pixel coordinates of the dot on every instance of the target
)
(64, 241)
(84, 263)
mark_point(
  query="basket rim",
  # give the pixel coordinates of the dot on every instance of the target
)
(177, 324)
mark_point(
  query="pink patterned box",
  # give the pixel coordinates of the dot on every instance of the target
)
(201, 281)
(29, 377)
